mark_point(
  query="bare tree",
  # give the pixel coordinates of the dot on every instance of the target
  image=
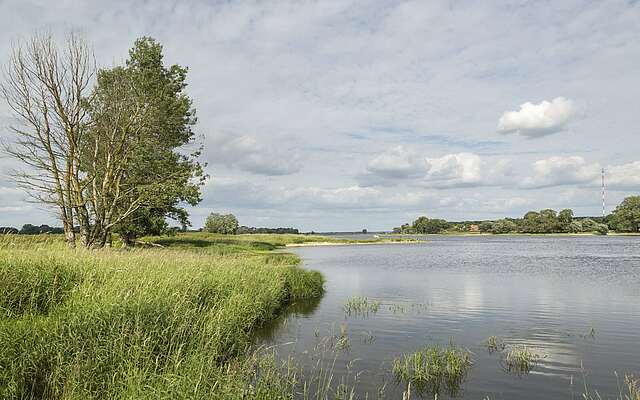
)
(46, 87)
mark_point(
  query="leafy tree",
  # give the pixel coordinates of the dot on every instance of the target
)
(626, 217)
(424, 225)
(589, 225)
(485, 226)
(602, 229)
(8, 230)
(221, 223)
(142, 122)
(531, 222)
(565, 217)
(575, 227)
(503, 226)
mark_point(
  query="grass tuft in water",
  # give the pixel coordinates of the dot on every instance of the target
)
(434, 370)
(494, 343)
(520, 359)
(359, 305)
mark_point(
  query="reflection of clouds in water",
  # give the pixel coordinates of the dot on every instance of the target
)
(532, 291)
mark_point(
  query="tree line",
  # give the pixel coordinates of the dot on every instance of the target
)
(625, 218)
(228, 224)
(112, 149)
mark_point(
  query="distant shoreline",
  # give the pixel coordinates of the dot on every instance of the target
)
(354, 243)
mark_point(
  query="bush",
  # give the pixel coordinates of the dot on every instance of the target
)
(503, 226)
(226, 224)
(602, 229)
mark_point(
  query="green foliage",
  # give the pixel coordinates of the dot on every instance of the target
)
(424, 225)
(359, 305)
(434, 369)
(485, 226)
(161, 174)
(602, 229)
(149, 323)
(520, 359)
(503, 226)
(221, 223)
(626, 217)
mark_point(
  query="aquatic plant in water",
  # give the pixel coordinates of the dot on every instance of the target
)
(520, 359)
(433, 369)
(494, 343)
(359, 305)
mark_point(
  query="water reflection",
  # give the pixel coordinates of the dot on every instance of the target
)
(547, 294)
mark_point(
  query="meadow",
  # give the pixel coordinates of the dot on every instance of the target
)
(173, 320)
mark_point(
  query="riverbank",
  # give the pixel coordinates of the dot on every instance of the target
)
(412, 235)
(170, 322)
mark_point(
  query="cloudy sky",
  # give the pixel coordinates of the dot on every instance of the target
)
(341, 115)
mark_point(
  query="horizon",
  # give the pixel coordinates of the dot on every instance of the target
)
(337, 117)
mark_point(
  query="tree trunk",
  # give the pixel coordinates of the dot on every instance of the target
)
(69, 234)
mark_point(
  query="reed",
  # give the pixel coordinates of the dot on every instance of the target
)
(433, 369)
(172, 322)
(361, 306)
(520, 359)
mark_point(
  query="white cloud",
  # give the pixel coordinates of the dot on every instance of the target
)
(537, 120)
(280, 86)
(625, 176)
(575, 170)
(448, 171)
(398, 163)
(451, 170)
(249, 154)
(557, 171)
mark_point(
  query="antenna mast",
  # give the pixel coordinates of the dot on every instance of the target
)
(603, 212)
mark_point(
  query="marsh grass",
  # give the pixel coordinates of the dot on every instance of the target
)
(628, 389)
(161, 323)
(361, 306)
(520, 359)
(494, 344)
(433, 370)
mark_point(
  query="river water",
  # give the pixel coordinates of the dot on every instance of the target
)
(574, 301)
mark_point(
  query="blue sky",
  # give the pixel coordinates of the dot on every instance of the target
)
(340, 115)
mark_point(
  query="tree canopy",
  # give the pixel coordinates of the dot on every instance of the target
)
(221, 223)
(110, 157)
(626, 217)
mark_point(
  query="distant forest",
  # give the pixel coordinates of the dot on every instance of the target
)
(625, 218)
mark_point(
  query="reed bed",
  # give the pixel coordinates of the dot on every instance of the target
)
(170, 323)
(433, 369)
(361, 306)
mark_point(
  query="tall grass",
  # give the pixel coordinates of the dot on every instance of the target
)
(433, 370)
(153, 323)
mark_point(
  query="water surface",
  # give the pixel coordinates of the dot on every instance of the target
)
(574, 300)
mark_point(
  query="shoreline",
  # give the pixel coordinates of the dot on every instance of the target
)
(312, 244)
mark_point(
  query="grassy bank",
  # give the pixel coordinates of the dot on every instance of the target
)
(163, 322)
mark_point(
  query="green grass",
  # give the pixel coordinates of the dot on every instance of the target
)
(161, 323)
(433, 369)
(520, 359)
(494, 343)
(360, 305)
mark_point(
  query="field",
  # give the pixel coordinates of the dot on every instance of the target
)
(173, 320)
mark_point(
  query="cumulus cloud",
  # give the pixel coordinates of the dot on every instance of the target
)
(575, 170)
(557, 171)
(249, 154)
(451, 170)
(537, 120)
(448, 171)
(624, 176)
(398, 163)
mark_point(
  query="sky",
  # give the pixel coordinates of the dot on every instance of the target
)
(345, 115)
